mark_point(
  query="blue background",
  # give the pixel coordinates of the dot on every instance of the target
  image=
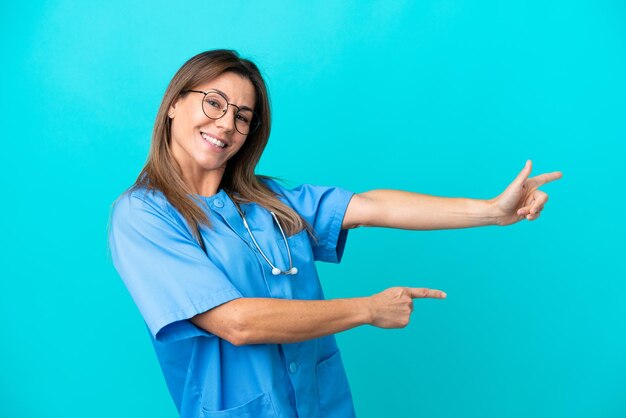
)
(534, 321)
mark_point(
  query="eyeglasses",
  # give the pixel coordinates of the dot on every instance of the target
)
(215, 106)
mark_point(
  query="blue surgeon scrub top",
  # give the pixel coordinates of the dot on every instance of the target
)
(171, 279)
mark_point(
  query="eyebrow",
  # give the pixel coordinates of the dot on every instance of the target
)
(227, 98)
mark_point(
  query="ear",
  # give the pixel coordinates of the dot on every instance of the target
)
(172, 110)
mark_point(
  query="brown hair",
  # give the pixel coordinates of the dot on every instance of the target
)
(163, 173)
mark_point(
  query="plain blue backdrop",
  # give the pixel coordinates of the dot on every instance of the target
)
(534, 323)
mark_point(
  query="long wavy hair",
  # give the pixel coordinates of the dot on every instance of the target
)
(162, 172)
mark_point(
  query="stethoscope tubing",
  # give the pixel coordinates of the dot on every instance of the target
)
(275, 270)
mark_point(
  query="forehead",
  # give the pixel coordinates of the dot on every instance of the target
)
(238, 89)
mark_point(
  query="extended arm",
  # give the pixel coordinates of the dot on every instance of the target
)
(406, 210)
(267, 320)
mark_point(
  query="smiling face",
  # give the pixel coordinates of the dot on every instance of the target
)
(202, 146)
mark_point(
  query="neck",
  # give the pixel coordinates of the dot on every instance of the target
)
(204, 183)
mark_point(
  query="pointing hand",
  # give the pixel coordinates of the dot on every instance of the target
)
(392, 308)
(522, 198)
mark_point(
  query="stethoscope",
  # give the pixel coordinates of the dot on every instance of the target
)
(275, 270)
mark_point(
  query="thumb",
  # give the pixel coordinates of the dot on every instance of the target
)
(523, 175)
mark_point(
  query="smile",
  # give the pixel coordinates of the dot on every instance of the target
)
(212, 140)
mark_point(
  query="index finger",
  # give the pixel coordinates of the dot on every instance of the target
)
(421, 292)
(547, 178)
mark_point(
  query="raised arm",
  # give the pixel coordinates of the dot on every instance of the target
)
(407, 210)
(266, 320)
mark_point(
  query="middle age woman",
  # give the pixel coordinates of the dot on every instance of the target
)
(220, 260)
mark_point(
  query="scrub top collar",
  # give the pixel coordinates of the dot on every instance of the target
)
(217, 200)
(220, 194)
(223, 206)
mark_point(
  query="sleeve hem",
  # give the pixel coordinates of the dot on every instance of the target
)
(164, 328)
(332, 250)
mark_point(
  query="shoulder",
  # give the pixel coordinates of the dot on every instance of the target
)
(282, 187)
(138, 205)
(147, 213)
(138, 199)
(272, 183)
(308, 195)
(286, 193)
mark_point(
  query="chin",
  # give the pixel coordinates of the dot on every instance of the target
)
(211, 165)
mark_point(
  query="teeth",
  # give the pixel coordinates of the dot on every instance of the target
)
(213, 140)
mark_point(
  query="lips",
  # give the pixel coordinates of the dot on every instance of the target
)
(218, 142)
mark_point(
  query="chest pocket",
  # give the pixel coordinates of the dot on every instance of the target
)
(299, 246)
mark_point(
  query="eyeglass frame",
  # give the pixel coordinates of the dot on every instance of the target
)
(255, 116)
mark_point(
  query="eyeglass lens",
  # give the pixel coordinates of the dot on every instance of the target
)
(215, 106)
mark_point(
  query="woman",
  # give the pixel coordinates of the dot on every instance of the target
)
(220, 261)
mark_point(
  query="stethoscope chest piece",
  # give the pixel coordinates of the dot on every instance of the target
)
(276, 271)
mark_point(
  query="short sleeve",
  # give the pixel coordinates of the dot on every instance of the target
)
(167, 273)
(324, 209)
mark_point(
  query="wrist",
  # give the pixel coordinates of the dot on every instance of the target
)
(366, 311)
(491, 213)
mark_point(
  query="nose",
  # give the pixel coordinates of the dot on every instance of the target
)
(227, 122)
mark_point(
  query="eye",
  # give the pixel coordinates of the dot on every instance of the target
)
(213, 103)
(245, 119)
